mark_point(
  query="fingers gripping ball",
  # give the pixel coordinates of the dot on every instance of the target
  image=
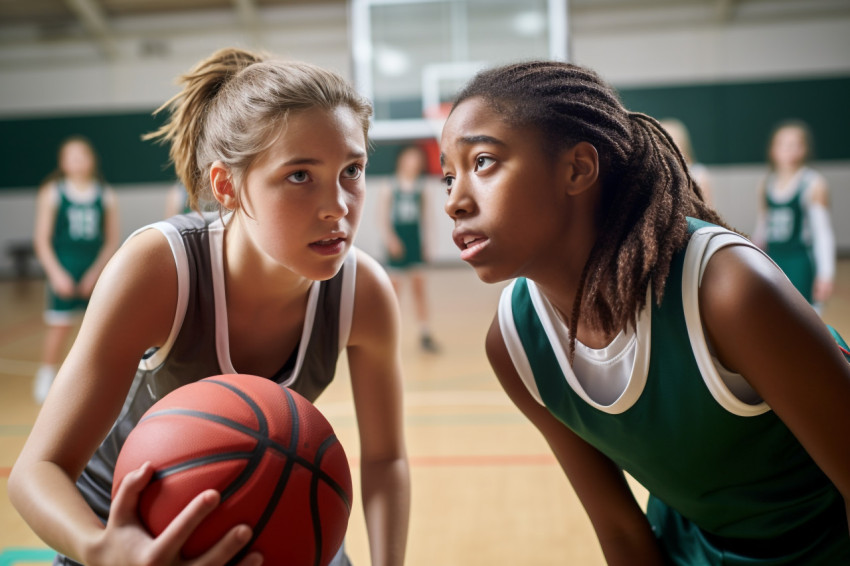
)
(269, 452)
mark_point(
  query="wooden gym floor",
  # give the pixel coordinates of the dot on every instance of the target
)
(486, 489)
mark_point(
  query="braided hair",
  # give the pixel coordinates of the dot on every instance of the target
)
(647, 192)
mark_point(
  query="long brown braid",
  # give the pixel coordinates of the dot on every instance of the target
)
(647, 192)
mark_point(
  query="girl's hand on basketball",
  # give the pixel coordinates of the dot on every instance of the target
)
(126, 541)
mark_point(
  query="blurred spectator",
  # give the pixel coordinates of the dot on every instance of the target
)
(405, 227)
(76, 232)
(699, 172)
(793, 224)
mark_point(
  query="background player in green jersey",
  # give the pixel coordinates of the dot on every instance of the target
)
(76, 232)
(639, 334)
(794, 224)
(403, 210)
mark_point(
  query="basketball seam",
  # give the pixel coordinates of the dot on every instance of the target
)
(260, 526)
(314, 499)
(200, 461)
(270, 444)
(264, 445)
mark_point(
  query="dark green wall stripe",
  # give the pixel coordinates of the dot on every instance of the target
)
(729, 124)
(31, 144)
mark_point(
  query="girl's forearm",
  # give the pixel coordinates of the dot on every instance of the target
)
(52, 506)
(385, 487)
(632, 548)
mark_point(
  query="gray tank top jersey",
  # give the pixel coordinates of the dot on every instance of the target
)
(198, 344)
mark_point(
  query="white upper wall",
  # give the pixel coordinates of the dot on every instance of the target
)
(658, 43)
(713, 52)
(72, 76)
(682, 42)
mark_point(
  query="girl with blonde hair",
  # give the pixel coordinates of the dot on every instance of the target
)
(272, 286)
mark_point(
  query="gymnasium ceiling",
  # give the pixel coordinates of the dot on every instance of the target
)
(96, 20)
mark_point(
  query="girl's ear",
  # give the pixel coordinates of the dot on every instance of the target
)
(222, 185)
(582, 168)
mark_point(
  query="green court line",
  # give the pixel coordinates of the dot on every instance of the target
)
(10, 556)
(15, 430)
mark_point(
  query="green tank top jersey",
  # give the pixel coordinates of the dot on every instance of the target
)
(729, 483)
(787, 243)
(78, 232)
(406, 220)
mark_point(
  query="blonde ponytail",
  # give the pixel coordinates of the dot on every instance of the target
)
(232, 107)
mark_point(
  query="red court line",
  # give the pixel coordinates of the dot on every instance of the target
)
(4, 472)
(17, 331)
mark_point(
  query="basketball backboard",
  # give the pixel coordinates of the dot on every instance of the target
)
(411, 56)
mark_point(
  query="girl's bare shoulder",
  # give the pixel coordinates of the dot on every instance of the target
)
(375, 305)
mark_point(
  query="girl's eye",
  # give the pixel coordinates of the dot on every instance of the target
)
(353, 172)
(447, 182)
(298, 177)
(483, 162)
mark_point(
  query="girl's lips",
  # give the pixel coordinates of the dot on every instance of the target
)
(329, 246)
(464, 238)
(471, 245)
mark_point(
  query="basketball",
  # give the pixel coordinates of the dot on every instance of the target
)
(269, 452)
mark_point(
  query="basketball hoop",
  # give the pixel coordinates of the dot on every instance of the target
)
(436, 116)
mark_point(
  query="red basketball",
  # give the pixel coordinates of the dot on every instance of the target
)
(269, 452)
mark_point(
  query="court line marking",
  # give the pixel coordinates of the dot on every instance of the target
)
(18, 367)
(452, 461)
(10, 556)
(15, 430)
(421, 399)
(19, 330)
(475, 460)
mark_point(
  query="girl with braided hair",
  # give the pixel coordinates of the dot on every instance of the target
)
(639, 333)
(272, 286)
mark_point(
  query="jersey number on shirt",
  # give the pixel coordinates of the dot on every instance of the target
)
(83, 223)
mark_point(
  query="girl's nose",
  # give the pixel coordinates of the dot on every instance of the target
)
(460, 202)
(335, 206)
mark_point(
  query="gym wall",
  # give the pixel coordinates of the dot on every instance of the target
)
(730, 82)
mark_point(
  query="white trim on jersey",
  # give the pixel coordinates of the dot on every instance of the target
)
(222, 337)
(63, 317)
(346, 299)
(222, 334)
(181, 260)
(729, 389)
(635, 381)
(511, 338)
(306, 332)
(789, 191)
